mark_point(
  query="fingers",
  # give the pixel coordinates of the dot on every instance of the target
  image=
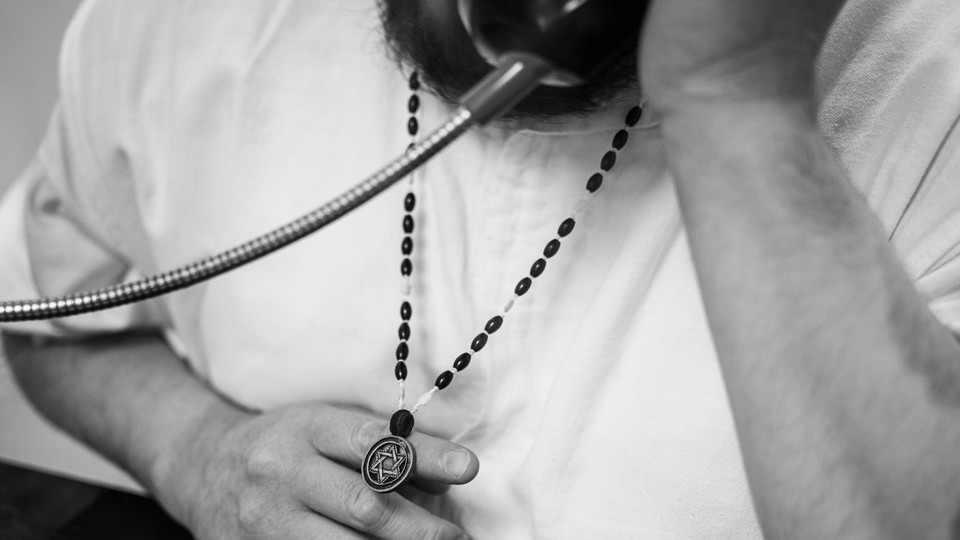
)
(306, 525)
(424, 486)
(339, 493)
(346, 436)
(439, 460)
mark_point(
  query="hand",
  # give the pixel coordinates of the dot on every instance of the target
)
(292, 473)
(697, 52)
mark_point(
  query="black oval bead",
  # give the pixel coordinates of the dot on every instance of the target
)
(400, 371)
(552, 248)
(478, 342)
(620, 139)
(406, 267)
(413, 104)
(414, 81)
(401, 423)
(406, 311)
(407, 245)
(408, 224)
(444, 380)
(594, 183)
(538, 267)
(413, 126)
(410, 202)
(462, 362)
(493, 324)
(634, 116)
(404, 331)
(566, 227)
(523, 286)
(608, 161)
(402, 351)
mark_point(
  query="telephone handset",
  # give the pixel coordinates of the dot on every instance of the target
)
(576, 37)
(529, 42)
(533, 42)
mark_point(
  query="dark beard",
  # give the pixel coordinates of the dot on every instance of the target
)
(438, 47)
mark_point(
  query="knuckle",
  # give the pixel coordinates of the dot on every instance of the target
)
(250, 514)
(363, 436)
(300, 413)
(369, 510)
(262, 462)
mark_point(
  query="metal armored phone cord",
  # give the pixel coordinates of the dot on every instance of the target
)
(494, 94)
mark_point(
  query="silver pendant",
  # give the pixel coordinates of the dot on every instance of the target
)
(388, 464)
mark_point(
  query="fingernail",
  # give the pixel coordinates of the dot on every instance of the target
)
(455, 462)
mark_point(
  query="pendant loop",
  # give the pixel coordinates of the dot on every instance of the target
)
(401, 423)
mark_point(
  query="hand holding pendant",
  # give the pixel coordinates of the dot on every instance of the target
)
(293, 473)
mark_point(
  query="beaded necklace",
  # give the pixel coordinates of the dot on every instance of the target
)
(391, 460)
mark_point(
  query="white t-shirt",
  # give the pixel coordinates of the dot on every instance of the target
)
(598, 410)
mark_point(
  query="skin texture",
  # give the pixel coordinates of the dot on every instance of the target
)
(829, 355)
(831, 359)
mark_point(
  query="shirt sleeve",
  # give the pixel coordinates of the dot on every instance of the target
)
(889, 84)
(55, 236)
(933, 223)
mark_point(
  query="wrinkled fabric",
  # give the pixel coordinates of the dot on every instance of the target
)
(598, 410)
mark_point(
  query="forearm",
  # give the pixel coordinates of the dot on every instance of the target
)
(128, 397)
(843, 385)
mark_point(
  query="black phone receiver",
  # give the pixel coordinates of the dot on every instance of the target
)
(576, 37)
(533, 42)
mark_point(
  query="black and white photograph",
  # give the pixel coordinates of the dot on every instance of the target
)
(479, 269)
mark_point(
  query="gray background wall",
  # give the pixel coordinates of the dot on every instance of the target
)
(30, 32)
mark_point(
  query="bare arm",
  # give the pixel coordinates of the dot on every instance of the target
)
(79, 385)
(843, 385)
(224, 472)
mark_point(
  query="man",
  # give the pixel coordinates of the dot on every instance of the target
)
(600, 408)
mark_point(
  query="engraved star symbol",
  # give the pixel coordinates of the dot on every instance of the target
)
(382, 455)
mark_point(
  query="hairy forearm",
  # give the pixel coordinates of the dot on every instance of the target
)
(842, 383)
(128, 397)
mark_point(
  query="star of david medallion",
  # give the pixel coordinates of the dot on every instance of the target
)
(388, 464)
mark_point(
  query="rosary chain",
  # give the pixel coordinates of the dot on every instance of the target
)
(407, 245)
(607, 162)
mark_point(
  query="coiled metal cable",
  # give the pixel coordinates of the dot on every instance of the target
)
(207, 268)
